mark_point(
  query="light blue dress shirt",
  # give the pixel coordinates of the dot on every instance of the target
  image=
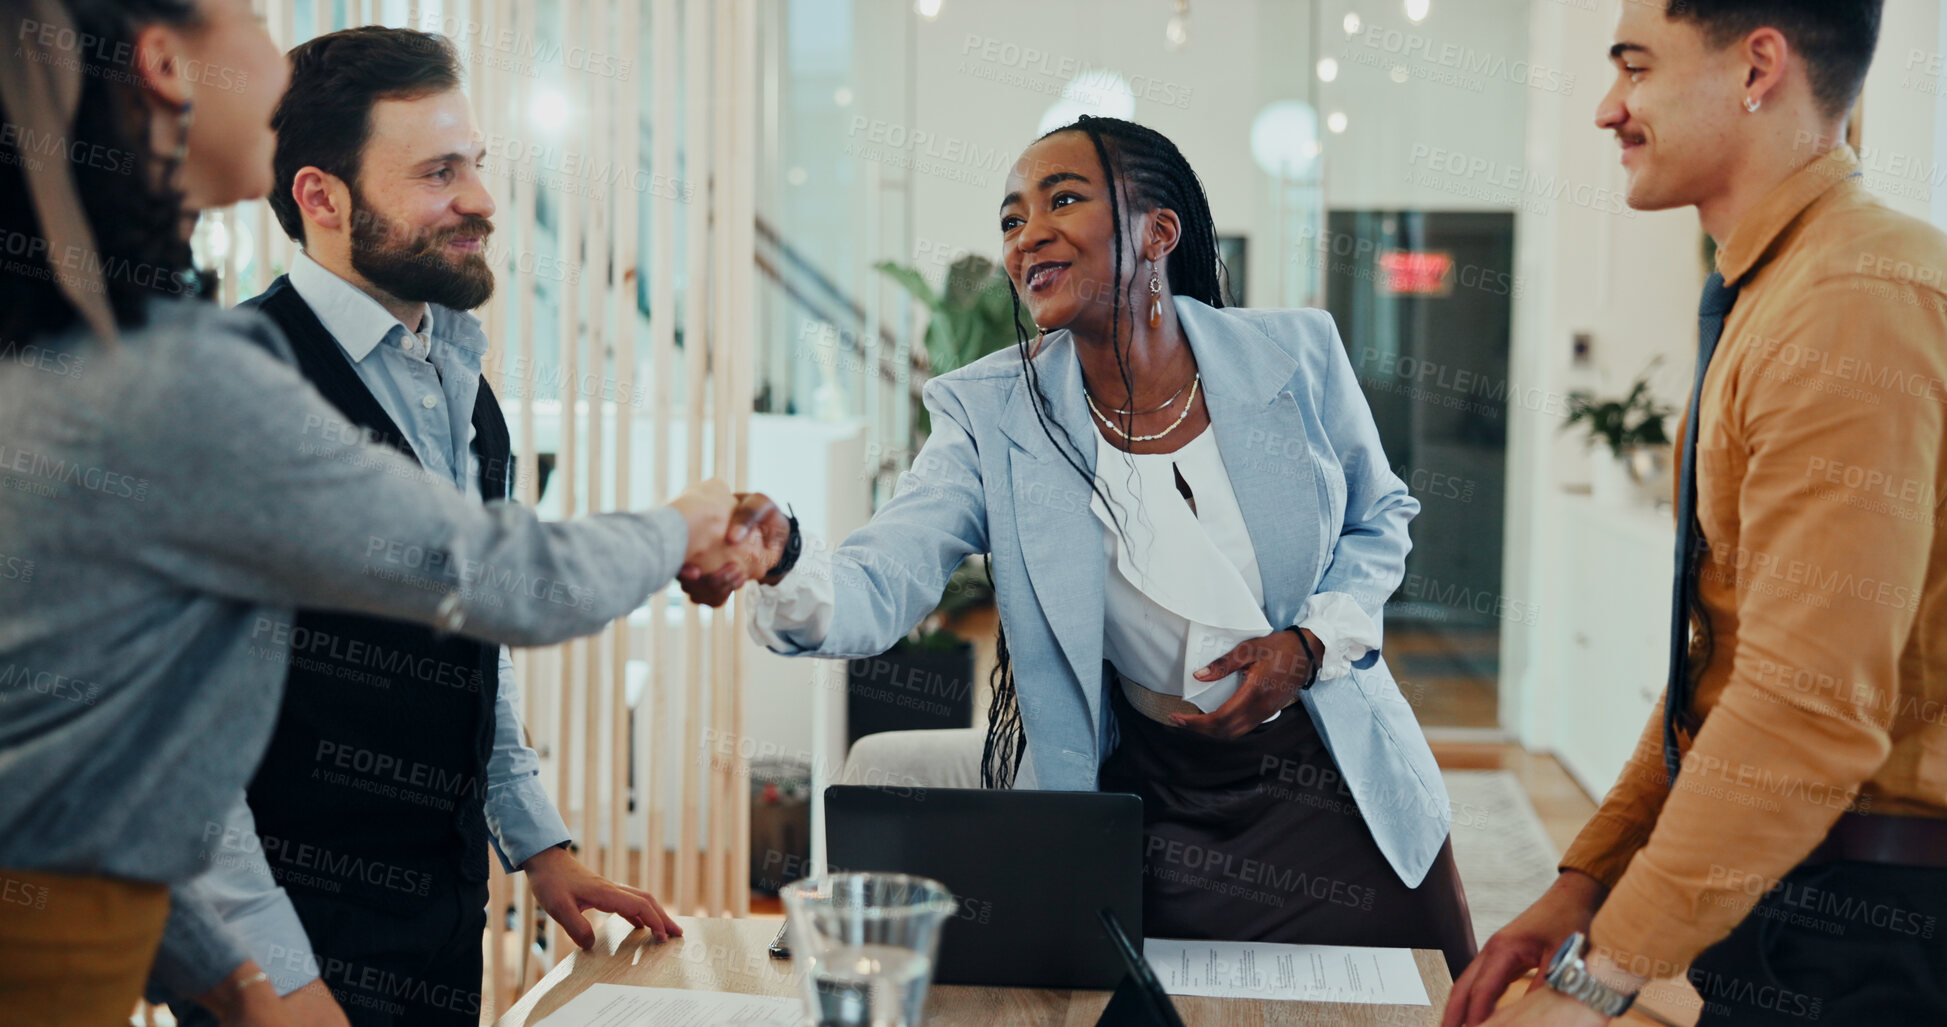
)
(427, 382)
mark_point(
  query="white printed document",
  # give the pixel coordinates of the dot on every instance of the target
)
(621, 1005)
(1293, 973)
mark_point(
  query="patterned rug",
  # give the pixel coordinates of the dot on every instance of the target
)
(1506, 860)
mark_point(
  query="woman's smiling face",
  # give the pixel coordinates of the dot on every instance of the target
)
(1057, 235)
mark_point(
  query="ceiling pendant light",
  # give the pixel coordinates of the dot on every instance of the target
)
(1177, 33)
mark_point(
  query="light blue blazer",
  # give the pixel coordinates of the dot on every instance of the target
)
(1324, 510)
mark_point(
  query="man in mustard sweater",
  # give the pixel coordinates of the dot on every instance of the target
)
(1781, 837)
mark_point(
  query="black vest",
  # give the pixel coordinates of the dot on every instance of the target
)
(374, 787)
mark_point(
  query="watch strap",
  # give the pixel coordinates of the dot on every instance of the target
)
(1570, 975)
(793, 546)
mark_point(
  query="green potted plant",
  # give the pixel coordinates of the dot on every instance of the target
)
(926, 679)
(972, 314)
(1632, 429)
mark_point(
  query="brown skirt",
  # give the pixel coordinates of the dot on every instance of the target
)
(1258, 839)
(76, 949)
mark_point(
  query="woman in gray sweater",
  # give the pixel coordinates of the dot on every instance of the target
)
(170, 488)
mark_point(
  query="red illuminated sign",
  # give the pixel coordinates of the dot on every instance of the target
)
(1410, 273)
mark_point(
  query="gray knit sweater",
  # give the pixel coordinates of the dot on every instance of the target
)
(163, 506)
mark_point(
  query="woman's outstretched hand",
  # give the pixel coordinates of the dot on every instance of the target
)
(752, 544)
(1275, 668)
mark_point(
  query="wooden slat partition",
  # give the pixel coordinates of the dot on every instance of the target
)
(662, 340)
(624, 428)
(722, 173)
(697, 28)
(742, 288)
(620, 299)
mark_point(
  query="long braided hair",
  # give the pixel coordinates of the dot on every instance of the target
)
(1155, 175)
(133, 211)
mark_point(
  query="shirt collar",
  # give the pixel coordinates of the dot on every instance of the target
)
(360, 323)
(355, 319)
(1762, 225)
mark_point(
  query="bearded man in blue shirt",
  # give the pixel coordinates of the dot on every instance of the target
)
(359, 871)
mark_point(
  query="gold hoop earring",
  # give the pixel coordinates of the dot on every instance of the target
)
(1155, 298)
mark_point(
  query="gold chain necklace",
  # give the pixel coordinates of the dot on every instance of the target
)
(1187, 407)
(1158, 408)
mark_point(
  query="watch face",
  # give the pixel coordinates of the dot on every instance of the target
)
(1571, 946)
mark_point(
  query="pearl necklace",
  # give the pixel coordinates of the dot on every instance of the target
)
(1187, 407)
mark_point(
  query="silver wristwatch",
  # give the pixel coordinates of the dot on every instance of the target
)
(1568, 974)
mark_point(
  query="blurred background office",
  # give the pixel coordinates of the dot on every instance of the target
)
(737, 236)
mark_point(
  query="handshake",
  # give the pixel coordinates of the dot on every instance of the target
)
(735, 537)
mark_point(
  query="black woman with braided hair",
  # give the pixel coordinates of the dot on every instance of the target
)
(1193, 531)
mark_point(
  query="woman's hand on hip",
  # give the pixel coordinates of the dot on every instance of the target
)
(1276, 668)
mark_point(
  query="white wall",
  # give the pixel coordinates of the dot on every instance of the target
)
(987, 71)
(1900, 145)
(983, 74)
(1631, 280)
(1468, 76)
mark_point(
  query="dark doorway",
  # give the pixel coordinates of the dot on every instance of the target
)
(1424, 301)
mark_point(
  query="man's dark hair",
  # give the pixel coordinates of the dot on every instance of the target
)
(325, 116)
(1837, 37)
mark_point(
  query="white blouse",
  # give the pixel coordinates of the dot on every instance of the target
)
(1183, 589)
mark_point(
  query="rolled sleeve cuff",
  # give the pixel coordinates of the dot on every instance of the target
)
(795, 615)
(525, 822)
(1349, 636)
(198, 950)
(1640, 926)
(279, 942)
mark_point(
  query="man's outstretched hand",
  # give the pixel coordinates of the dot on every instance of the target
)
(705, 507)
(752, 544)
(1569, 905)
(565, 889)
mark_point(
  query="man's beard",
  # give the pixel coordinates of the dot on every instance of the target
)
(414, 267)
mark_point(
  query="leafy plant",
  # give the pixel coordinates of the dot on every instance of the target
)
(971, 317)
(1634, 420)
(939, 641)
(966, 589)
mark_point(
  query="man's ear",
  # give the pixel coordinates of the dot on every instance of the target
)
(1767, 53)
(322, 198)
